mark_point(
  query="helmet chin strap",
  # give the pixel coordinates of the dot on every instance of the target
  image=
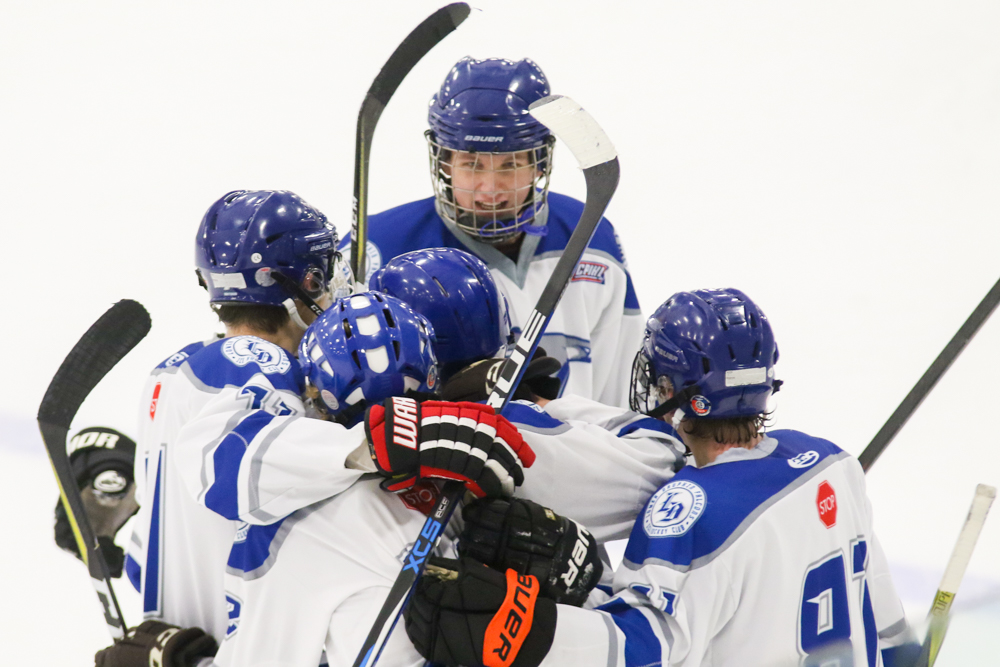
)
(293, 312)
(680, 398)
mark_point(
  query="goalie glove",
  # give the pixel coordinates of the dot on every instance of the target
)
(476, 381)
(531, 539)
(464, 613)
(461, 441)
(102, 460)
(158, 643)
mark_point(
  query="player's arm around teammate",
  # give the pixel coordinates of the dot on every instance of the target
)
(761, 553)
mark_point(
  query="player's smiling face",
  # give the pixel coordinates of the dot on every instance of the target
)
(492, 186)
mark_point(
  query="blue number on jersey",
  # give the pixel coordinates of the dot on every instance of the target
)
(258, 398)
(824, 615)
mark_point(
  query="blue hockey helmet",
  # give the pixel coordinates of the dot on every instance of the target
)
(717, 350)
(456, 292)
(482, 108)
(364, 349)
(247, 234)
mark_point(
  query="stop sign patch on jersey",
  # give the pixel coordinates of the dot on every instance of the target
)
(826, 503)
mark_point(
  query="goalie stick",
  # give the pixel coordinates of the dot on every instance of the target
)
(599, 161)
(930, 378)
(939, 614)
(104, 344)
(417, 44)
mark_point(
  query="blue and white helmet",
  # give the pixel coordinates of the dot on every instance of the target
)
(248, 234)
(482, 108)
(456, 292)
(717, 350)
(365, 349)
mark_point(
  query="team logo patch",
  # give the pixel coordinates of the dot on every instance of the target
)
(432, 377)
(590, 272)
(234, 606)
(826, 503)
(804, 460)
(673, 509)
(244, 350)
(701, 405)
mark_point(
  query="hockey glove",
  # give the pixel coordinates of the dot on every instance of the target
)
(464, 613)
(157, 643)
(102, 460)
(531, 539)
(462, 441)
(475, 382)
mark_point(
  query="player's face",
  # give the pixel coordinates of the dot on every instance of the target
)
(492, 186)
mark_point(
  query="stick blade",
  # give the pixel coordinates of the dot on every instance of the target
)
(576, 128)
(108, 340)
(411, 50)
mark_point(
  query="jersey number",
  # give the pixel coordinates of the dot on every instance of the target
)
(259, 399)
(824, 613)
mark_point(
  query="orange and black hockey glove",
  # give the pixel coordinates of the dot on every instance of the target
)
(409, 440)
(464, 613)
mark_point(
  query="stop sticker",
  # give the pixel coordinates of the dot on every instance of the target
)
(826, 503)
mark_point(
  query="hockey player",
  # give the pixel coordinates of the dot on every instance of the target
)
(762, 553)
(322, 577)
(222, 426)
(490, 166)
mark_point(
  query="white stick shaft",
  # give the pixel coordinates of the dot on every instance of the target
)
(967, 538)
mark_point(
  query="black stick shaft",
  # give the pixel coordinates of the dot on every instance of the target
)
(417, 44)
(930, 378)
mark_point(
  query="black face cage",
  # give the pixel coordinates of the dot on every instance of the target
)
(643, 395)
(505, 223)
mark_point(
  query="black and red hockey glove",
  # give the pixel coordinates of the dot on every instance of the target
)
(464, 613)
(158, 643)
(531, 539)
(461, 441)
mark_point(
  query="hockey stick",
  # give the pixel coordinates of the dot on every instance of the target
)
(599, 161)
(101, 347)
(424, 37)
(930, 378)
(939, 614)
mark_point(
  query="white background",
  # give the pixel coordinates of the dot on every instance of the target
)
(838, 161)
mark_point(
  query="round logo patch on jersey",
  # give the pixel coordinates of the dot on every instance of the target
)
(673, 509)
(804, 460)
(244, 350)
(373, 260)
(701, 405)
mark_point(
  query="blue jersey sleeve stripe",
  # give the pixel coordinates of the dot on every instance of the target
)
(223, 497)
(134, 573)
(649, 424)
(642, 646)
(151, 594)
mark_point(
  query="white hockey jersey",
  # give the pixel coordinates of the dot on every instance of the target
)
(209, 456)
(766, 557)
(597, 327)
(323, 573)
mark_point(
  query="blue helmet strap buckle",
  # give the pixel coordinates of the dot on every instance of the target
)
(679, 399)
